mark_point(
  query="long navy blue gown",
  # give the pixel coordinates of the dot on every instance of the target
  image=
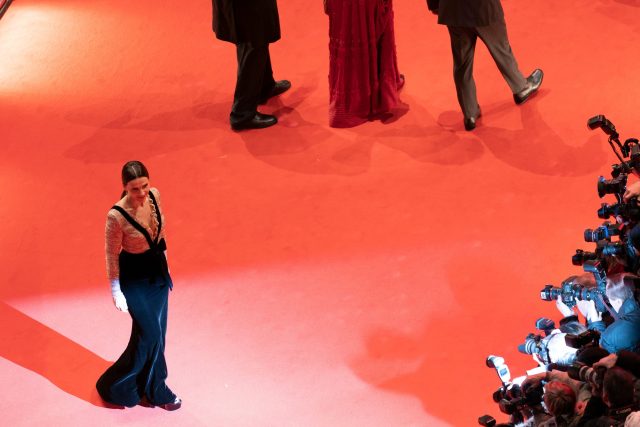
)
(141, 370)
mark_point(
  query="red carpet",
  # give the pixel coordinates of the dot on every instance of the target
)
(323, 277)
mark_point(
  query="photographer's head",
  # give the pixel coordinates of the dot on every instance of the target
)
(620, 287)
(558, 351)
(618, 388)
(559, 398)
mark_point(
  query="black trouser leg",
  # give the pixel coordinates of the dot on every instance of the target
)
(267, 79)
(252, 68)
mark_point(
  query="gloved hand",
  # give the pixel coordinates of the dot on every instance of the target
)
(118, 297)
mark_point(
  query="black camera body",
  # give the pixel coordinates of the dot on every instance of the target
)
(569, 293)
(512, 400)
(616, 185)
(605, 232)
(589, 338)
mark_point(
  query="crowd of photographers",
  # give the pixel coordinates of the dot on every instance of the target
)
(589, 366)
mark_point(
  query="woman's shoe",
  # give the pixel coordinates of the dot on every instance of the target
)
(401, 82)
(176, 404)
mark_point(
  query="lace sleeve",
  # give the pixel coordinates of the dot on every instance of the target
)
(112, 245)
(156, 194)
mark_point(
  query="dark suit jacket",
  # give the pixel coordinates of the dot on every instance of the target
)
(469, 13)
(246, 21)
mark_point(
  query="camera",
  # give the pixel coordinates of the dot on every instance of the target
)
(627, 211)
(617, 185)
(512, 400)
(604, 232)
(538, 345)
(569, 292)
(580, 257)
(587, 338)
(581, 372)
(518, 400)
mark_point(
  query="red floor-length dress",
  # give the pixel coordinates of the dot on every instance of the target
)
(363, 69)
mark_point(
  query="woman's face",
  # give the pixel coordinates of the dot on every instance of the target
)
(138, 189)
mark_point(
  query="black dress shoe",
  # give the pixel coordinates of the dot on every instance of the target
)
(259, 121)
(281, 86)
(533, 83)
(470, 122)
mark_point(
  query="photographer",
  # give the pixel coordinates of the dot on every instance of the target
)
(618, 395)
(562, 390)
(570, 323)
(624, 332)
(560, 400)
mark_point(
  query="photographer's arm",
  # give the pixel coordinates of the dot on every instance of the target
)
(632, 190)
(563, 308)
(591, 314)
(629, 361)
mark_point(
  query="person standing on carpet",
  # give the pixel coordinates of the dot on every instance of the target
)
(363, 70)
(466, 21)
(140, 283)
(251, 25)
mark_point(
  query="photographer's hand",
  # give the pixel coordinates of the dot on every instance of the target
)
(589, 311)
(607, 362)
(533, 380)
(563, 308)
(632, 190)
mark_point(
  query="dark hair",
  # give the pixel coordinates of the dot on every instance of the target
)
(571, 325)
(133, 170)
(618, 387)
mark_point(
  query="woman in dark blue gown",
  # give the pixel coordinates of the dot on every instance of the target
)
(140, 283)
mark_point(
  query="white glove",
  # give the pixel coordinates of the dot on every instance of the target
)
(118, 297)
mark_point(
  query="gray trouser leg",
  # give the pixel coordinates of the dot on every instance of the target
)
(463, 44)
(495, 38)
